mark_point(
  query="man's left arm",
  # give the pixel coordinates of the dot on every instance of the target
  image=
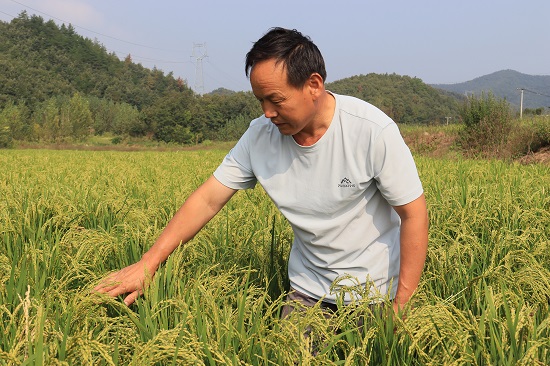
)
(414, 247)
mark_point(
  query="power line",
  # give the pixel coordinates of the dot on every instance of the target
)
(133, 56)
(224, 74)
(534, 92)
(521, 99)
(199, 56)
(115, 38)
(13, 16)
(92, 31)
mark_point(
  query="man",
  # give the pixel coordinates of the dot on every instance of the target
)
(337, 169)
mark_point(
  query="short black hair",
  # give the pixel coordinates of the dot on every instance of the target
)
(300, 55)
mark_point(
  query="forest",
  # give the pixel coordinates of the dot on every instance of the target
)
(57, 86)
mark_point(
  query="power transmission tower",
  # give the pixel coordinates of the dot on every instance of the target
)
(199, 53)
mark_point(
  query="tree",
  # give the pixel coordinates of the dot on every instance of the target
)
(47, 118)
(167, 113)
(102, 113)
(128, 120)
(488, 122)
(403, 98)
(6, 136)
(40, 60)
(15, 117)
(79, 117)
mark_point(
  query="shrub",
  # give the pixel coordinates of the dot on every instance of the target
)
(6, 140)
(542, 130)
(233, 129)
(488, 122)
(177, 134)
(528, 135)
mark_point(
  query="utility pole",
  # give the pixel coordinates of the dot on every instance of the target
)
(521, 103)
(448, 118)
(199, 53)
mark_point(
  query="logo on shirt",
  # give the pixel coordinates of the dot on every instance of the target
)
(346, 183)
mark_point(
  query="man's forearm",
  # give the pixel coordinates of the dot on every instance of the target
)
(193, 215)
(413, 257)
(414, 246)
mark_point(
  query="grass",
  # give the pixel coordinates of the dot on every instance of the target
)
(69, 217)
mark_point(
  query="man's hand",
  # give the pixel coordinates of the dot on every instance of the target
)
(130, 280)
(197, 210)
(397, 307)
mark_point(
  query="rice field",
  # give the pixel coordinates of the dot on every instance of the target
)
(67, 218)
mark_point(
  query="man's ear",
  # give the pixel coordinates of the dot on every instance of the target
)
(315, 84)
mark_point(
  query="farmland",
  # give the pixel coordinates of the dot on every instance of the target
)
(67, 218)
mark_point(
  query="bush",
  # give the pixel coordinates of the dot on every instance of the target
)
(6, 140)
(233, 129)
(542, 130)
(178, 134)
(488, 122)
(528, 135)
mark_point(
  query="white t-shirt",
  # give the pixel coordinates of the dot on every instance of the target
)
(336, 194)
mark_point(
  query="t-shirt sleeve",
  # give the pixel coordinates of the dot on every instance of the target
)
(394, 168)
(235, 171)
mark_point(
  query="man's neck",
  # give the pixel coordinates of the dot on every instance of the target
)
(308, 137)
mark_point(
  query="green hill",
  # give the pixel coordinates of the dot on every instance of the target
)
(405, 99)
(39, 60)
(57, 86)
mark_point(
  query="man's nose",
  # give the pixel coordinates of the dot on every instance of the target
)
(270, 113)
(269, 110)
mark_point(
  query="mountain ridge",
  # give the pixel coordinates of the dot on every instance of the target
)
(507, 84)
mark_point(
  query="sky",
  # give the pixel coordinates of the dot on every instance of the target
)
(205, 41)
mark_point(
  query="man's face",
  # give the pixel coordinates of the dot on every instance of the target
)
(291, 109)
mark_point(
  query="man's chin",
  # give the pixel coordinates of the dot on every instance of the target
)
(283, 129)
(286, 132)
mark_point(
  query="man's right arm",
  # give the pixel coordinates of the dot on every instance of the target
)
(201, 206)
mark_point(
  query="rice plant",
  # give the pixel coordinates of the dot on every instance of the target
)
(67, 218)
